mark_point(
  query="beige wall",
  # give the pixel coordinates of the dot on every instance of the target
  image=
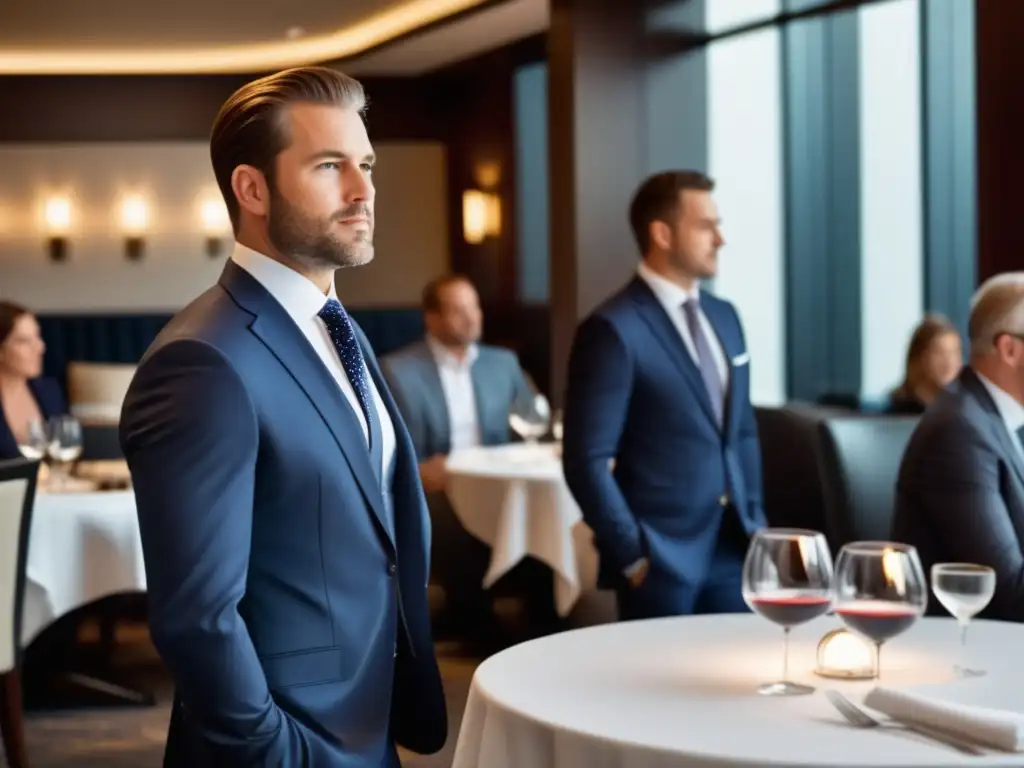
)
(411, 231)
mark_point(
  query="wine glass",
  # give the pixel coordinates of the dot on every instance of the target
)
(787, 578)
(556, 426)
(65, 445)
(964, 589)
(34, 446)
(880, 590)
(533, 422)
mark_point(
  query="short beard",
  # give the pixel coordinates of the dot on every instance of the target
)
(310, 242)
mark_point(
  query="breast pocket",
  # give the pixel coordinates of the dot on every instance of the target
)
(302, 668)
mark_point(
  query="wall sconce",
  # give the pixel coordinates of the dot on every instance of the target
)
(57, 215)
(844, 655)
(216, 225)
(481, 216)
(134, 221)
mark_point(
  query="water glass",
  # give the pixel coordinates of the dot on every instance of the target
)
(964, 589)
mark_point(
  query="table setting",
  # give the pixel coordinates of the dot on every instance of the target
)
(514, 498)
(846, 671)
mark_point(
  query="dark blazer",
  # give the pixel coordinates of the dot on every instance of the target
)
(636, 396)
(51, 403)
(960, 491)
(292, 617)
(499, 385)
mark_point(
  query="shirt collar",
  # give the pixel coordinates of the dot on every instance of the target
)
(668, 293)
(444, 356)
(1011, 411)
(301, 299)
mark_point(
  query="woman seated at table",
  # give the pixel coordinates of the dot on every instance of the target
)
(934, 359)
(25, 395)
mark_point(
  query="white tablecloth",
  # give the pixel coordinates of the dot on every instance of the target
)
(514, 499)
(681, 692)
(82, 547)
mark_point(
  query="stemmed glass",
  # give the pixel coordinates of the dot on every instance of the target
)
(880, 591)
(531, 423)
(36, 442)
(964, 589)
(65, 445)
(787, 578)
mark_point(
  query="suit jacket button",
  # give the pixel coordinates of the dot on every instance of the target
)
(391, 569)
(723, 500)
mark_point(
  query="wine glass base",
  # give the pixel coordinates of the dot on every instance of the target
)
(967, 673)
(785, 689)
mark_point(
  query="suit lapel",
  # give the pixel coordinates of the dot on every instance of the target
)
(653, 314)
(969, 379)
(282, 337)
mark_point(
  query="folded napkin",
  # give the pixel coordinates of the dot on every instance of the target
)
(995, 728)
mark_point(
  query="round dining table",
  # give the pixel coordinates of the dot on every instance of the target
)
(515, 500)
(681, 693)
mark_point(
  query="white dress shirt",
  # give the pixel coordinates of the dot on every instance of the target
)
(459, 395)
(672, 297)
(1011, 411)
(302, 300)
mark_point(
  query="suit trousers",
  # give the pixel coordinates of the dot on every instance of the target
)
(721, 591)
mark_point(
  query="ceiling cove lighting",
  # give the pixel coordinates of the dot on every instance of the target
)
(253, 57)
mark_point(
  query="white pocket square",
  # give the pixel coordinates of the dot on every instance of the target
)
(741, 360)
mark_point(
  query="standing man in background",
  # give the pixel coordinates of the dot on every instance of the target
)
(660, 445)
(285, 532)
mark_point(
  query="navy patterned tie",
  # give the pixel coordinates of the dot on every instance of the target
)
(344, 337)
(705, 360)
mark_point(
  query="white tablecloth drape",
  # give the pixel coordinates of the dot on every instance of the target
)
(82, 547)
(514, 499)
(682, 692)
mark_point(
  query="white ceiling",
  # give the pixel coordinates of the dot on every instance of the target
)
(198, 36)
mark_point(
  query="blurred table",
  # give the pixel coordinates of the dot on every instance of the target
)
(681, 692)
(514, 499)
(83, 546)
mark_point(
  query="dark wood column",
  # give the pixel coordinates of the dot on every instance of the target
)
(616, 113)
(1000, 83)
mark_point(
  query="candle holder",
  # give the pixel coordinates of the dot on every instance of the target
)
(845, 656)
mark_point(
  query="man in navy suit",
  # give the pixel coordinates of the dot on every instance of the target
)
(660, 446)
(285, 531)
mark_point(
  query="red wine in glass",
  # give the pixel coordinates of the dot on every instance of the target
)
(787, 579)
(877, 620)
(789, 610)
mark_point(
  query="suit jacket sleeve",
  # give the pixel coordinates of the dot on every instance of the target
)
(190, 435)
(956, 483)
(749, 446)
(413, 423)
(600, 384)
(522, 393)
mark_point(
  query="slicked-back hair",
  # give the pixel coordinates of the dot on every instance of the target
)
(657, 199)
(250, 129)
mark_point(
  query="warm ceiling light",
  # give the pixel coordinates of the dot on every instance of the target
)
(134, 216)
(57, 214)
(253, 57)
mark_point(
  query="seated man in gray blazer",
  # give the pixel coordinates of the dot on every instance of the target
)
(454, 393)
(960, 493)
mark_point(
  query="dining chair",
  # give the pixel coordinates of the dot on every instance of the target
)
(17, 497)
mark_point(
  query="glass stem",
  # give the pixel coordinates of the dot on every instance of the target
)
(878, 661)
(963, 644)
(785, 655)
